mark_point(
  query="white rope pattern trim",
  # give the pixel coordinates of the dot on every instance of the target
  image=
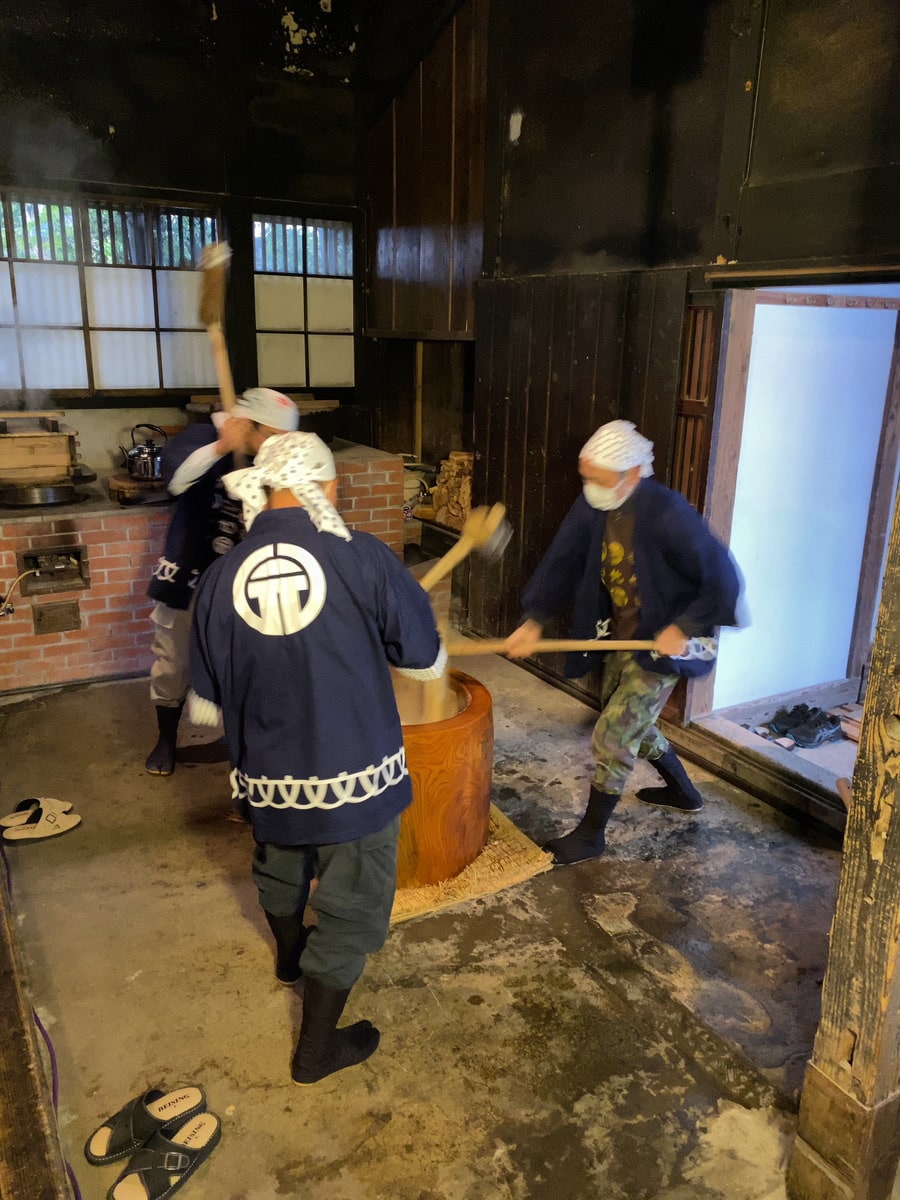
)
(435, 671)
(617, 446)
(286, 793)
(298, 461)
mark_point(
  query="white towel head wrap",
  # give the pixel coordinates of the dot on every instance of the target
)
(617, 446)
(298, 461)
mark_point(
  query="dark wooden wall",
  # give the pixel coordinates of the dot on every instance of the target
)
(180, 94)
(555, 358)
(655, 140)
(811, 157)
(622, 107)
(425, 159)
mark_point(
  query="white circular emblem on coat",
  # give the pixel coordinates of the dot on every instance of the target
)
(279, 589)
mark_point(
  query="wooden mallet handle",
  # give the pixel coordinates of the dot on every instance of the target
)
(546, 646)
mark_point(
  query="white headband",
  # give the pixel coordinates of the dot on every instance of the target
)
(617, 446)
(298, 461)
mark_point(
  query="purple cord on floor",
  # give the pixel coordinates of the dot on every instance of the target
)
(54, 1069)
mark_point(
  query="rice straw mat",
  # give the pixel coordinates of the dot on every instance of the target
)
(509, 857)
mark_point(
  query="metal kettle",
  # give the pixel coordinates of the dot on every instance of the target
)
(144, 460)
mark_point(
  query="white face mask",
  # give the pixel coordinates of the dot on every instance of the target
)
(603, 497)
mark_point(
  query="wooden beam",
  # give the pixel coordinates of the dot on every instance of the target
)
(848, 1143)
(827, 300)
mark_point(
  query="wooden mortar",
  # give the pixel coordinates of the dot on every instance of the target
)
(450, 764)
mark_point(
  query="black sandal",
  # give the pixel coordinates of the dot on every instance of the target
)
(122, 1134)
(171, 1155)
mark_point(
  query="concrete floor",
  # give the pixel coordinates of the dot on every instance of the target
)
(629, 1028)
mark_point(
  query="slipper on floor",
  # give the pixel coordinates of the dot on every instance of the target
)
(42, 823)
(25, 808)
(140, 1118)
(171, 1155)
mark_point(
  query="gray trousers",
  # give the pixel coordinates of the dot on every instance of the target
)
(171, 643)
(352, 902)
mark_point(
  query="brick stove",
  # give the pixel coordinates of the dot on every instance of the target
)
(117, 548)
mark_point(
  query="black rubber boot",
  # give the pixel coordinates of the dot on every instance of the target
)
(679, 792)
(322, 1049)
(161, 759)
(290, 941)
(587, 839)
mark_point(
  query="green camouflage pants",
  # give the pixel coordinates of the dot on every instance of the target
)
(632, 700)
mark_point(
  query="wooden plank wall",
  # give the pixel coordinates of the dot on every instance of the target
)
(556, 357)
(426, 190)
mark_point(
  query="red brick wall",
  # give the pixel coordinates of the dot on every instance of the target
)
(122, 547)
(114, 639)
(370, 496)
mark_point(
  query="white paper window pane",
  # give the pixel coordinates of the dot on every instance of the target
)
(279, 302)
(48, 294)
(281, 359)
(120, 296)
(10, 375)
(124, 360)
(6, 304)
(329, 304)
(330, 361)
(187, 360)
(178, 295)
(54, 358)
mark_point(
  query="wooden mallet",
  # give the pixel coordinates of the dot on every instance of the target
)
(486, 532)
(214, 262)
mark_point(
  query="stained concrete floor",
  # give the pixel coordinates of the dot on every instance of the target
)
(630, 1028)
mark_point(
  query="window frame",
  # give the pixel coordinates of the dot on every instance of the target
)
(309, 214)
(82, 204)
(234, 215)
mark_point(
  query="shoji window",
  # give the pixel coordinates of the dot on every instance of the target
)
(304, 301)
(100, 296)
(42, 342)
(142, 292)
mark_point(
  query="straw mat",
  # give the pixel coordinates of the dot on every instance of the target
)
(509, 857)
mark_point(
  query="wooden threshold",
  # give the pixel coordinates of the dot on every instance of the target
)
(767, 772)
(32, 1166)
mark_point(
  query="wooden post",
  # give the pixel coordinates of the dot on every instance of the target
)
(848, 1143)
(727, 432)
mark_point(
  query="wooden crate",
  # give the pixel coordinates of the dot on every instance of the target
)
(35, 448)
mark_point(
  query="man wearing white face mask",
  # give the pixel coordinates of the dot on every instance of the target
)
(639, 563)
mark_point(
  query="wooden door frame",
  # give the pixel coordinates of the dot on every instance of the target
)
(881, 506)
(725, 448)
(727, 432)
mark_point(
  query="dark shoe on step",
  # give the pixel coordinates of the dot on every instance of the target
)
(588, 838)
(786, 718)
(679, 793)
(819, 728)
(322, 1049)
(161, 759)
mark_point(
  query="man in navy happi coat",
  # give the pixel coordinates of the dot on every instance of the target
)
(637, 563)
(294, 633)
